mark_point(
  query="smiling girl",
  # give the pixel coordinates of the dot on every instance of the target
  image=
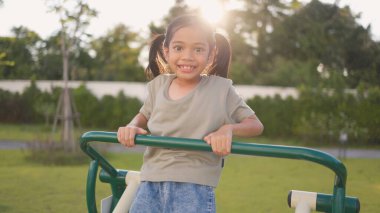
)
(189, 96)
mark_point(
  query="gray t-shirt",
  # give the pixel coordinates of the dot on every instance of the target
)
(213, 103)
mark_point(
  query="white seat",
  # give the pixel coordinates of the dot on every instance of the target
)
(132, 179)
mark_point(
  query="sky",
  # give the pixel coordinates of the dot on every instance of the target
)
(138, 14)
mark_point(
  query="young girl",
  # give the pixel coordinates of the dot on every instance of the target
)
(189, 97)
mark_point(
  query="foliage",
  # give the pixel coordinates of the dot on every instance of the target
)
(254, 22)
(34, 106)
(74, 18)
(116, 58)
(317, 47)
(240, 73)
(109, 112)
(319, 115)
(367, 113)
(274, 42)
(288, 73)
(243, 61)
(50, 59)
(331, 37)
(20, 108)
(277, 114)
(17, 53)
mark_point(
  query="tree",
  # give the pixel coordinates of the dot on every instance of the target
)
(376, 73)
(243, 60)
(249, 28)
(328, 35)
(5, 62)
(18, 54)
(50, 59)
(259, 18)
(74, 21)
(116, 55)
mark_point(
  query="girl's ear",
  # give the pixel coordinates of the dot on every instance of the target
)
(211, 56)
(166, 53)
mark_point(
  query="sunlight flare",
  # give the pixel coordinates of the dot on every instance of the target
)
(211, 10)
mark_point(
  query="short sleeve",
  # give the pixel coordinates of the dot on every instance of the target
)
(237, 109)
(147, 107)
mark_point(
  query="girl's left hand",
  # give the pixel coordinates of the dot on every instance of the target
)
(220, 140)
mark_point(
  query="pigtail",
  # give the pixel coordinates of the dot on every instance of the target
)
(221, 63)
(156, 57)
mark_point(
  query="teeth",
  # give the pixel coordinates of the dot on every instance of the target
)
(186, 67)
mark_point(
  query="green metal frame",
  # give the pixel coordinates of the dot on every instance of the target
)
(115, 177)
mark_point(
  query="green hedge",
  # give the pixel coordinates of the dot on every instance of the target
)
(34, 106)
(317, 115)
(320, 116)
(108, 112)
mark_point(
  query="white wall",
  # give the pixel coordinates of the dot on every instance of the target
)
(134, 89)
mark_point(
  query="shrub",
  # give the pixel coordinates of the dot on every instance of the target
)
(53, 153)
(320, 115)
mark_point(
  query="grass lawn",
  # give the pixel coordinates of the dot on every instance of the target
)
(42, 133)
(32, 132)
(248, 184)
(24, 132)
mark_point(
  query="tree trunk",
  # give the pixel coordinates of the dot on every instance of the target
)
(67, 132)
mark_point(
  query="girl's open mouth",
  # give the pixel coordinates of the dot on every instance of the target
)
(186, 68)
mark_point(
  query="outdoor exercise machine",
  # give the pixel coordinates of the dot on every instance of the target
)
(124, 183)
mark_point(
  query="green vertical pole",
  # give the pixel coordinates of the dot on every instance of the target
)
(338, 200)
(91, 182)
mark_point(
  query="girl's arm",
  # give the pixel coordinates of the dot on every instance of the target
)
(221, 139)
(126, 135)
(248, 127)
(139, 121)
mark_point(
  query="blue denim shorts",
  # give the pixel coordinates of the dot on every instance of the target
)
(173, 197)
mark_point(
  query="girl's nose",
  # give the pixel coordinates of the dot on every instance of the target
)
(187, 55)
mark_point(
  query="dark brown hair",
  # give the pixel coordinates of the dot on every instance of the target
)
(221, 62)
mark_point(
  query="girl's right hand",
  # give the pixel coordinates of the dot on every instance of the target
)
(126, 135)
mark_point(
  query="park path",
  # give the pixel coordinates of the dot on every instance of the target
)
(349, 153)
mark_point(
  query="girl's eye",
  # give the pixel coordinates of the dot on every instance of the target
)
(177, 48)
(199, 50)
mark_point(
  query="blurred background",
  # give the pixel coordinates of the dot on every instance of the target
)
(309, 69)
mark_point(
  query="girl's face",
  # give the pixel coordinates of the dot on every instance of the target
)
(188, 53)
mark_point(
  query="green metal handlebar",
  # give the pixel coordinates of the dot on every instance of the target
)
(289, 152)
